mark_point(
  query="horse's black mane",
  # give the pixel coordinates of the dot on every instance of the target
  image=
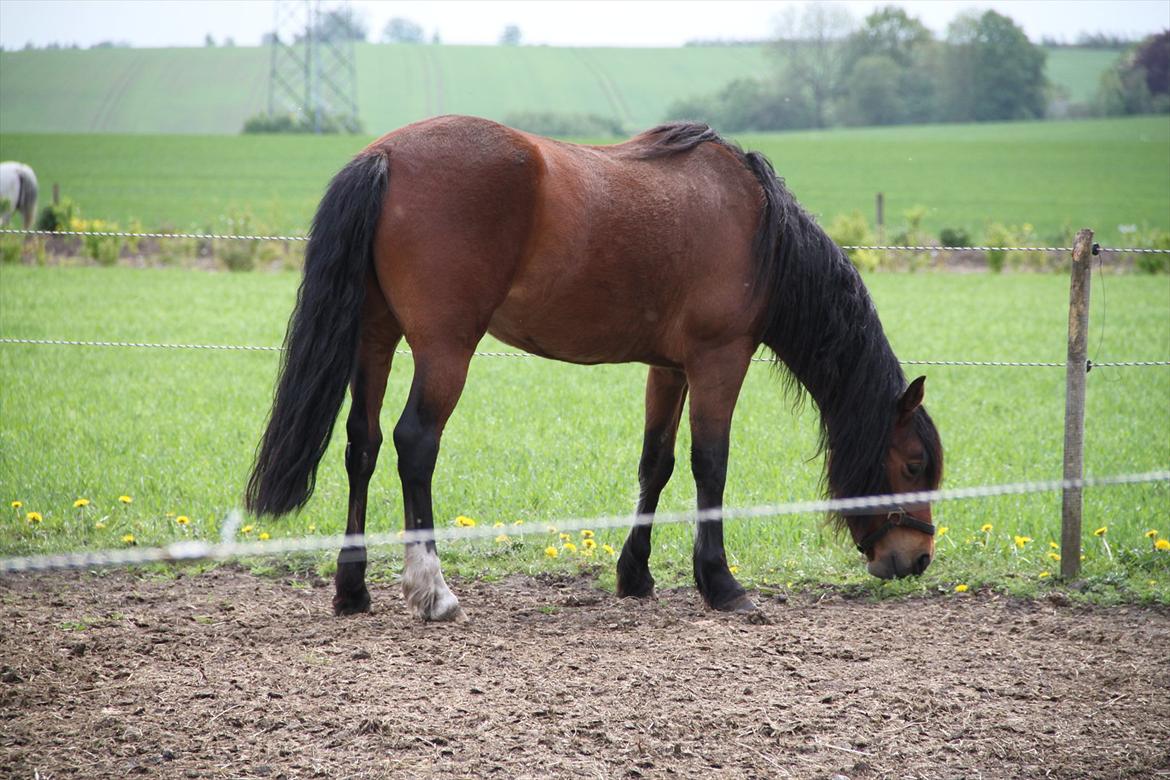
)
(820, 322)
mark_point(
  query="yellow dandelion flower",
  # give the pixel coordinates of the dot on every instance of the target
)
(569, 547)
(986, 528)
(1054, 545)
(1054, 556)
(126, 499)
(961, 588)
(551, 551)
(312, 528)
(608, 549)
(19, 504)
(588, 543)
(99, 525)
(1101, 531)
(1021, 541)
(733, 569)
(1044, 575)
(942, 530)
(34, 517)
(1150, 534)
(517, 522)
(463, 521)
(497, 524)
(183, 520)
(566, 537)
(264, 536)
(586, 534)
(1162, 544)
(128, 539)
(247, 529)
(81, 502)
(502, 538)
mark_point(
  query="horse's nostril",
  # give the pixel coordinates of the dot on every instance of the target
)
(921, 563)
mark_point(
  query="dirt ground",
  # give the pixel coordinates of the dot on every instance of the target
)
(225, 674)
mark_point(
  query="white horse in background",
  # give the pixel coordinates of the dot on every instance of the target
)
(18, 192)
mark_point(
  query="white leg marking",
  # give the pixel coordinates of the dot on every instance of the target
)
(426, 592)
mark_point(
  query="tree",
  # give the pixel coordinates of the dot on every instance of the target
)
(810, 51)
(510, 36)
(1139, 82)
(402, 30)
(342, 24)
(208, 41)
(992, 70)
(889, 71)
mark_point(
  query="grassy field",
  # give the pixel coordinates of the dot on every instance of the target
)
(536, 441)
(213, 90)
(1055, 176)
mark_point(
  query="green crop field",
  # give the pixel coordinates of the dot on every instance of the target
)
(1055, 176)
(537, 441)
(213, 90)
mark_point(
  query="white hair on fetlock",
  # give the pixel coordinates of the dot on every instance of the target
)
(426, 592)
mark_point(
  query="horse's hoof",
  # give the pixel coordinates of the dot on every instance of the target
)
(635, 587)
(351, 603)
(740, 602)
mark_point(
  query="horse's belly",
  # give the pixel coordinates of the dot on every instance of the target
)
(569, 330)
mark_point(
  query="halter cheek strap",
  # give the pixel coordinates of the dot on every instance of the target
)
(899, 518)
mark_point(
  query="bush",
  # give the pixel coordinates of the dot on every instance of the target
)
(560, 124)
(999, 234)
(235, 254)
(1153, 238)
(954, 237)
(58, 216)
(329, 124)
(104, 249)
(853, 230)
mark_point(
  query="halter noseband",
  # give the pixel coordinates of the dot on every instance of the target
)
(897, 518)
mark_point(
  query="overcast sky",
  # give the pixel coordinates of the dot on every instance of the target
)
(147, 23)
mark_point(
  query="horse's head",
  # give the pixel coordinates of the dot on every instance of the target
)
(900, 542)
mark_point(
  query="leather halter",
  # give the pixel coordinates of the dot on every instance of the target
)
(898, 518)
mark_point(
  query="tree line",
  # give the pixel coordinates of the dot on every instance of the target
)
(893, 70)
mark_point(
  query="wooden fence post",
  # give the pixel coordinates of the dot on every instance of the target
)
(1074, 403)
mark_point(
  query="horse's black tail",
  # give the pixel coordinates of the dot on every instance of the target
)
(320, 346)
(26, 199)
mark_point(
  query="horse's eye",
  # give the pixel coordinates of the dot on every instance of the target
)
(915, 470)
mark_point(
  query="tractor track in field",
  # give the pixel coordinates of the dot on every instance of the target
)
(225, 674)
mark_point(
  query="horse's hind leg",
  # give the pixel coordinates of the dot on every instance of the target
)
(666, 390)
(379, 336)
(439, 374)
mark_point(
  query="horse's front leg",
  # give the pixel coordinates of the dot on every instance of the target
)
(666, 389)
(715, 383)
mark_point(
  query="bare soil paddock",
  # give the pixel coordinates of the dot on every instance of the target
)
(226, 675)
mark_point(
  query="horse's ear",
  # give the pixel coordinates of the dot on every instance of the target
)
(912, 398)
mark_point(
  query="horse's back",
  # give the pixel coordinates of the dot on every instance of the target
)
(582, 253)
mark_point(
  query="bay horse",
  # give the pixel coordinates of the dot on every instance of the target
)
(18, 192)
(675, 249)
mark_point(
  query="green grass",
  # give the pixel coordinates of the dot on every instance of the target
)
(536, 441)
(193, 91)
(1055, 176)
